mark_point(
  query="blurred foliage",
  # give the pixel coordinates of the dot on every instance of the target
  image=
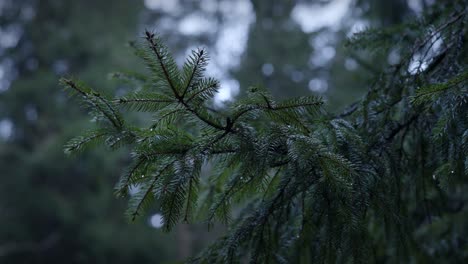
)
(54, 208)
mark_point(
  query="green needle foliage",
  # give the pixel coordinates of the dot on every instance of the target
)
(384, 181)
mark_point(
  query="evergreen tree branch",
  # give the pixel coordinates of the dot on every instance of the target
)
(154, 47)
(345, 183)
(116, 122)
(196, 94)
(149, 191)
(196, 67)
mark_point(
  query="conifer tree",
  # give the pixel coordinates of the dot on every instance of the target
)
(383, 181)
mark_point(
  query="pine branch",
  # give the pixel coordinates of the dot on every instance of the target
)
(154, 47)
(143, 100)
(80, 142)
(343, 183)
(142, 201)
(125, 182)
(115, 120)
(292, 105)
(210, 85)
(179, 97)
(198, 67)
(144, 103)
